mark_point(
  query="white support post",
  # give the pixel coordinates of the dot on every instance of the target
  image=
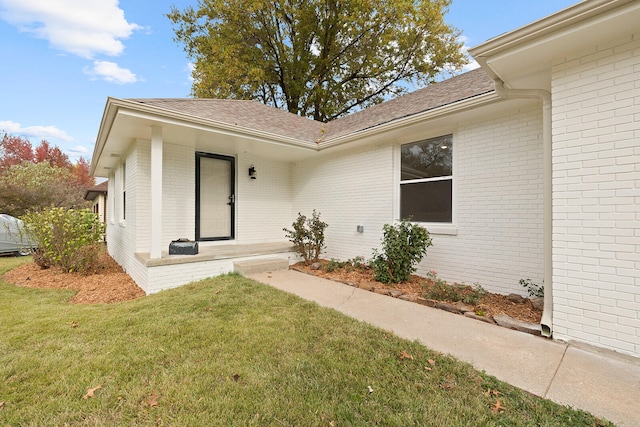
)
(156, 193)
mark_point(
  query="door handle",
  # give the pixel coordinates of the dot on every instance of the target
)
(232, 199)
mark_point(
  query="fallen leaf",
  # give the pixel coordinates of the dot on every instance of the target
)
(236, 377)
(370, 389)
(492, 392)
(427, 368)
(153, 399)
(432, 362)
(90, 391)
(1, 405)
(73, 324)
(497, 407)
(405, 355)
(218, 291)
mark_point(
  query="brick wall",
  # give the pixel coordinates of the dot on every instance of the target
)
(348, 188)
(596, 196)
(263, 205)
(498, 201)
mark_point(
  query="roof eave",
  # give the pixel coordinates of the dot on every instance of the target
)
(116, 106)
(545, 26)
(431, 114)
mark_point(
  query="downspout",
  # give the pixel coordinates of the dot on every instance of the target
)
(546, 323)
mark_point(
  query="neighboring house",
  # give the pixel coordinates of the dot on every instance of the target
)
(528, 167)
(97, 195)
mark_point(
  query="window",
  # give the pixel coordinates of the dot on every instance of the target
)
(426, 180)
(124, 191)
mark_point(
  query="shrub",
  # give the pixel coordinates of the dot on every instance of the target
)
(403, 247)
(67, 238)
(307, 236)
(533, 289)
(441, 291)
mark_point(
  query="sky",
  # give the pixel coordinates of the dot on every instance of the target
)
(61, 59)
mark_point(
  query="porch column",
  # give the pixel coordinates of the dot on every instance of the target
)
(156, 193)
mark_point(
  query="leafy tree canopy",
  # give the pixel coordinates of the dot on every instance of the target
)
(32, 179)
(35, 186)
(316, 58)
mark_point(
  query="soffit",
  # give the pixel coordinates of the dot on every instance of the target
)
(523, 58)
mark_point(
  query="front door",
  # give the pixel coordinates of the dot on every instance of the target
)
(215, 197)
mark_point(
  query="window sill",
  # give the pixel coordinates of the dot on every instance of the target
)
(441, 229)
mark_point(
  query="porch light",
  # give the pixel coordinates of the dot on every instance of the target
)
(253, 173)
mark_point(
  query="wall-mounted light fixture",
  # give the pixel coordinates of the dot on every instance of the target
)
(253, 173)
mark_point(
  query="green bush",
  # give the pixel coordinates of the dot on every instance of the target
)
(533, 288)
(66, 238)
(403, 247)
(307, 236)
(441, 291)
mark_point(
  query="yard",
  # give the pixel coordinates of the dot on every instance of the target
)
(234, 352)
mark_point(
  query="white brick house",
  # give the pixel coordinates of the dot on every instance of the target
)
(537, 175)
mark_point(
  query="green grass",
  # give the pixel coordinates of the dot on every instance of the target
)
(230, 351)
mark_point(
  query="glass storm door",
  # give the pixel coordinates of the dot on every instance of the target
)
(215, 197)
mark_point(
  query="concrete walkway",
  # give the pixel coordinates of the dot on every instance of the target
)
(601, 382)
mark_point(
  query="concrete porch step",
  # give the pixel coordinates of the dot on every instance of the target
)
(255, 266)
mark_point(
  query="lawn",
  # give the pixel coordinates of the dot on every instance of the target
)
(230, 351)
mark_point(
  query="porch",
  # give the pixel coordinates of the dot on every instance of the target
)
(170, 271)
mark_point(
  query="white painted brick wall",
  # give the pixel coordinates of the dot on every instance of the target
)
(348, 188)
(596, 196)
(498, 205)
(178, 193)
(498, 180)
(263, 205)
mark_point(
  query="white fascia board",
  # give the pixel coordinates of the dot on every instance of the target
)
(544, 27)
(162, 115)
(431, 114)
(108, 116)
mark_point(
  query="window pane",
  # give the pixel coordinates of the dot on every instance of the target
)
(427, 159)
(426, 201)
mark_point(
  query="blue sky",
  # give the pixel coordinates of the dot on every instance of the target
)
(61, 59)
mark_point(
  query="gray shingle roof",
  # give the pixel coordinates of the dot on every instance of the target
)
(256, 116)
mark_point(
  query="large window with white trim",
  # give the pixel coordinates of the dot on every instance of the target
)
(426, 180)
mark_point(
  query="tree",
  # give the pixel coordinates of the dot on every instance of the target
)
(52, 154)
(14, 150)
(316, 58)
(35, 186)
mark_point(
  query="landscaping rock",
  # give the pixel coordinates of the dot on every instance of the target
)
(447, 307)
(427, 302)
(518, 325)
(316, 266)
(537, 303)
(381, 291)
(473, 315)
(462, 307)
(408, 297)
(367, 286)
(518, 299)
(395, 293)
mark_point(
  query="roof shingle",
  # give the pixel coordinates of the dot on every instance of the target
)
(256, 116)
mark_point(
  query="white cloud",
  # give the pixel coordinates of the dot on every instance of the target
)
(473, 64)
(41, 132)
(190, 68)
(84, 28)
(111, 72)
(78, 150)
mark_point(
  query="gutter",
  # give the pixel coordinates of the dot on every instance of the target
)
(546, 323)
(455, 107)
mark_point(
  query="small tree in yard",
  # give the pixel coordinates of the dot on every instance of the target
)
(308, 236)
(66, 238)
(403, 247)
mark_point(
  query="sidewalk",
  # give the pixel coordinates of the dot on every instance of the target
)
(601, 382)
